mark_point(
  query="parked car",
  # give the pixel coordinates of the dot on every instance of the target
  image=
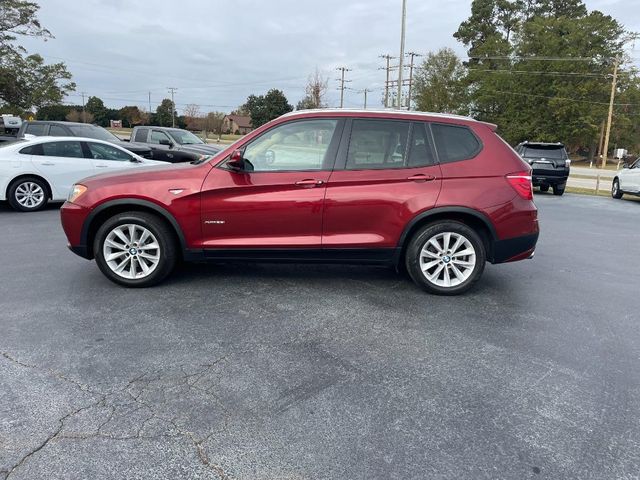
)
(52, 128)
(34, 172)
(438, 194)
(173, 144)
(627, 180)
(550, 164)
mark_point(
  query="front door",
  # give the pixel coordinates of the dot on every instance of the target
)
(277, 201)
(384, 176)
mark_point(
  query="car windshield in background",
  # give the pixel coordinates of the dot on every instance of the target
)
(185, 138)
(91, 131)
(544, 152)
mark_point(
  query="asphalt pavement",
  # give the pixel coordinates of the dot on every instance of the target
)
(325, 372)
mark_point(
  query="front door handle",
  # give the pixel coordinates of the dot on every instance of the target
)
(421, 177)
(48, 164)
(102, 166)
(309, 182)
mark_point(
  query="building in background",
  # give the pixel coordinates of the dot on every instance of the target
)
(237, 124)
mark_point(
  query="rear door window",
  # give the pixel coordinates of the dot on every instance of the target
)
(420, 150)
(376, 144)
(37, 129)
(62, 149)
(141, 135)
(58, 131)
(455, 142)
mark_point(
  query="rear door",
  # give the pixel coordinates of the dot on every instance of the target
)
(386, 172)
(63, 163)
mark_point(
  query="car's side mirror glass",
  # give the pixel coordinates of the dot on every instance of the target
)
(236, 162)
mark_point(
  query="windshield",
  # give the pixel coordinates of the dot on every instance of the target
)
(552, 152)
(184, 138)
(91, 131)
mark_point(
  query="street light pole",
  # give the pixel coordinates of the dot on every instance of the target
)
(401, 58)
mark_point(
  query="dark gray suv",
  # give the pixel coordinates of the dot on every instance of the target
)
(550, 163)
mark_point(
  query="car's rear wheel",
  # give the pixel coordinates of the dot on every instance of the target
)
(615, 189)
(558, 190)
(28, 194)
(445, 257)
(135, 249)
(544, 188)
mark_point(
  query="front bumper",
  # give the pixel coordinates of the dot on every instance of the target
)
(73, 217)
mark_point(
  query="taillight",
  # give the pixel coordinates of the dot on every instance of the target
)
(521, 183)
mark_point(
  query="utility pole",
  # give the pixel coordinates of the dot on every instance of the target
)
(605, 149)
(342, 81)
(388, 58)
(173, 106)
(401, 57)
(412, 55)
(84, 115)
(365, 91)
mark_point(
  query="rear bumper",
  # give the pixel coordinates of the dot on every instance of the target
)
(514, 249)
(549, 177)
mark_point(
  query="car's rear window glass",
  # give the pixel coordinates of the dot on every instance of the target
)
(454, 142)
(420, 151)
(141, 135)
(552, 152)
(377, 144)
(57, 131)
(36, 129)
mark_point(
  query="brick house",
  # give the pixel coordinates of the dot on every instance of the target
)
(237, 123)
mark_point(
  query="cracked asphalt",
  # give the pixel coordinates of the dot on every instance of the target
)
(332, 372)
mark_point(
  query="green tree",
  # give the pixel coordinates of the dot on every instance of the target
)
(132, 116)
(264, 108)
(561, 100)
(55, 112)
(439, 83)
(25, 80)
(95, 106)
(163, 113)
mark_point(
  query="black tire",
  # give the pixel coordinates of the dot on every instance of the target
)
(431, 231)
(544, 188)
(615, 189)
(167, 251)
(34, 185)
(558, 190)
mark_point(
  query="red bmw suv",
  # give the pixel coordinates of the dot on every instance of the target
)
(436, 194)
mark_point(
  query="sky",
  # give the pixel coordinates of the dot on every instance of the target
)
(216, 53)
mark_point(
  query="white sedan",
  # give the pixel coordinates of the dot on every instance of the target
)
(627, 180)
(36, 171)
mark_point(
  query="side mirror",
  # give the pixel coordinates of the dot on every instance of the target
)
(236, 162)
(625, 165)
(165, 142)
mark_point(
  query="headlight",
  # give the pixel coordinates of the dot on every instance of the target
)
(76, 191)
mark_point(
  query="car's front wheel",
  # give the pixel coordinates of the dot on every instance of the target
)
(445, 257)
(135, 249)
(615, 189)
(28, 194)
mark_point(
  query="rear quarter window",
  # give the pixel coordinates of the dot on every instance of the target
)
(455, 142)
(141, 135)
(36, 129)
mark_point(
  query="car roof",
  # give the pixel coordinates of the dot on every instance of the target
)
(385, 113)
(46, 138)
(60, 122)
(543, 144)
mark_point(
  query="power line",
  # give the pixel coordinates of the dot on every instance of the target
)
(564, 98)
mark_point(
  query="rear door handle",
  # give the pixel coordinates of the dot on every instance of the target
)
(421, 177)
(47, 164)
(102, 166)
(309, 182)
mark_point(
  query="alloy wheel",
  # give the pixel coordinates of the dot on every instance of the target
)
(29, 195)
(131, 251)
(447, 259)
